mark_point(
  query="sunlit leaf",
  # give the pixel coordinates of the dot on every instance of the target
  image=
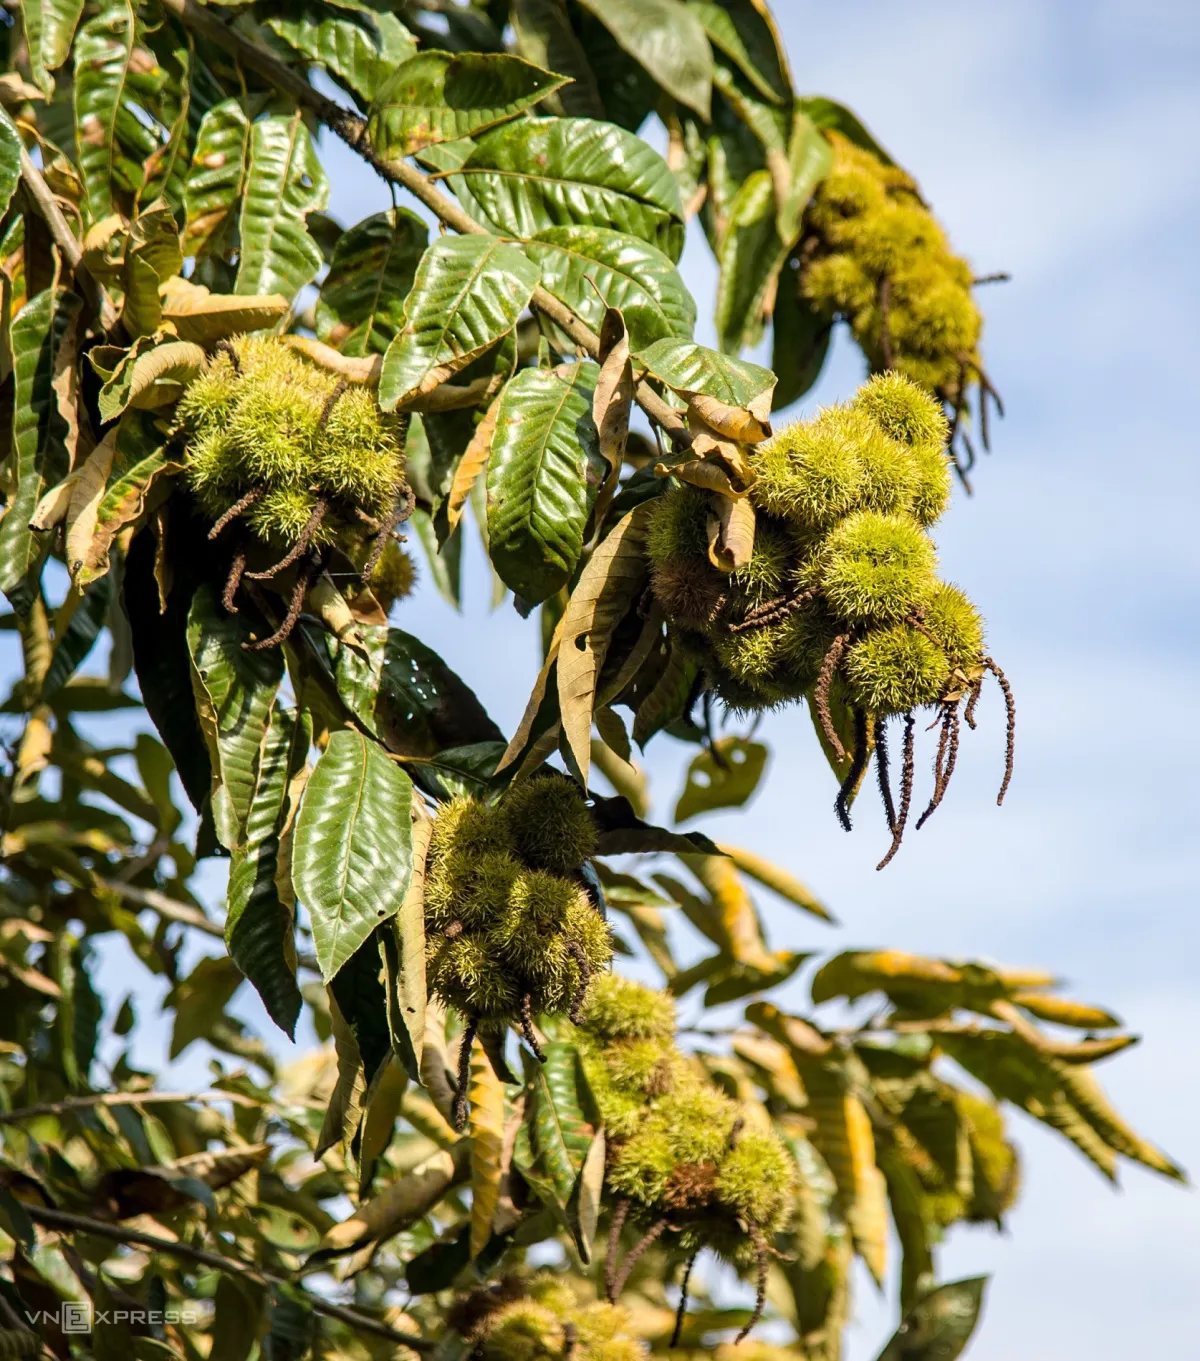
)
(667, 40)
(361, 307)
(440, 97)
(353, 853)
(725, 776)
(537, 479)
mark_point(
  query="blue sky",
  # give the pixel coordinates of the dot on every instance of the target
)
(1056, 141)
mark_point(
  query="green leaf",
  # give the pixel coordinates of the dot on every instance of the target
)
(560, 1124)
(402, 692)
(799, 340)
(723, 778)
(258, 927)
(554, 172)
(162, 664)
(361, 307)
(744, 31)
(213, 189)
(150, 375)
(284, 183)
(39, 455)
(750, 259)
(439, 97)
(152, 256)
(939, 1326)
(595, 268)
(545, 37)
(828, 113)
(77, 1026)
(353, 852)
(667, 40)
(49, 27)
(359, 49)
(111, 140)
(810, 158)
(689, 368)
(235, 692)
(537, 488)
(468, 294)
(238, 1308)
(10, 161)
(81, 633)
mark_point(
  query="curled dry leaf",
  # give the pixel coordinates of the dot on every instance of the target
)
(87, 491)
(363, 369)
(748, 425)
(472, 463)
(610, 583)
(730, 533)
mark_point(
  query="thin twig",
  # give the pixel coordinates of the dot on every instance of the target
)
(122, 1233)
(171, 909)
(107, 1099)
(999, 277)
(65, 240)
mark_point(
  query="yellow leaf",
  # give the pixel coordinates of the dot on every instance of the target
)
(1046, 1007)
(747, 425)
(471, 465)
(334, 611)
(612, 399)
(51, 510)
(778, 880)
(86, 494)
(730, 533)
(203, 317)
(740, 926)
(364, 369)
(160, 375)
(700, 472)
(487, 1145)
(1086, 1095)
(525, 727)
(610, 583)
(856, 972)
(383, 1108)
(396, 1209)
(844, 1138)
(344, 1111)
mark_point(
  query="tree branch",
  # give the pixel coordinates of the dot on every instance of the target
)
(64, 239)
(352, 129)
(150, 1098)
(121, 1233)
(172, 910)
